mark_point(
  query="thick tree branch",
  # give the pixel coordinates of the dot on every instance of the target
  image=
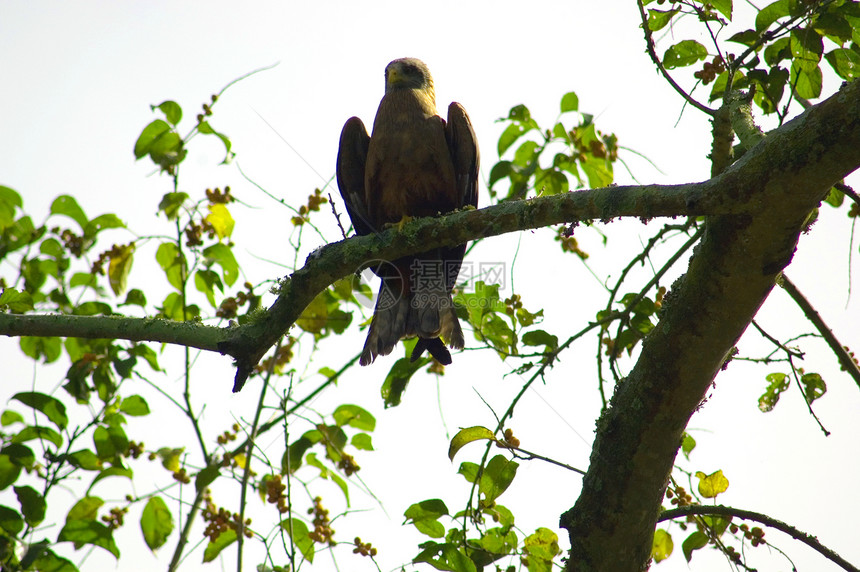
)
(731, 273)
(818, 146)
(764, 519)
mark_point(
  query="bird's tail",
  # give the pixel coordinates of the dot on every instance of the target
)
(389, 321)
(400, 313)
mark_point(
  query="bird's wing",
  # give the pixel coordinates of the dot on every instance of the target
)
(351, 160)
(464, 154)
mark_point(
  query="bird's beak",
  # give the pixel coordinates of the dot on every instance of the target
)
(393, 76)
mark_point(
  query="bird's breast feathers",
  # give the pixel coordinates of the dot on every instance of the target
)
(409, 168)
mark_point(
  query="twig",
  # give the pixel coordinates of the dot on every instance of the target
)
(249, 451)
(803, 537)
(649, 44)
(845, 360)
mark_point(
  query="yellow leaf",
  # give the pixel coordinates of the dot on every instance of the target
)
(662, 546)
(170, 458)
(713, 484)
(240, 460)
(121, 259)
(467, 435)
(221, 220)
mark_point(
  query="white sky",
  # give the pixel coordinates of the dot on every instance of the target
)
(78, 79)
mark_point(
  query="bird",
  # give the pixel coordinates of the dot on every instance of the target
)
(413, 164)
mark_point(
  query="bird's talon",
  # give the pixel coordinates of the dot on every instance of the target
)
(400, 224)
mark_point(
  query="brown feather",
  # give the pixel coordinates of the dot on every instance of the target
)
(415, 164)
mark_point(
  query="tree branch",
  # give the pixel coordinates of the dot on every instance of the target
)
(732, 271)
(821, 145)
(764, 519)
(845, 360)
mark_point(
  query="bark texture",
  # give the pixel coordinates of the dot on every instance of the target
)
(779, 182)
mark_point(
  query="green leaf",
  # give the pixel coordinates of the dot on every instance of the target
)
(494, 543)
(497, 331)
(693, 542)
(156, 523)
(134, 297)
(716, 523)
(806, 48)
(134, 405)
(108, 443)
(687, 445)
(9, 471)
(102, 222)
(15, 301)
(540, 338)
(51, 407)
(777, 383)
(10, 201)
(447, 556)
(121, 260)
(845, 62)
(82, 532)
(20, 455)
(167, 149)
(362, 441)
(684, 53)
(354, 416)
(92, 308)
(712, 485)
(425, 517)
(569, 102)
(171, 203)
(662, 546)
(172, 111)
(510, 135)
(41, 433)
(9, 417)
(206, 477)
(206, 281)
(469, 471)
(500, 170)
(397, 379)
(292, 458)
(659, 19)
(47, 561)
(85, 459)
(466, 436)
(542, 548)
(813, 386)
(172, 261)
(148, 136)
(205, 128)
(67, 206)
(33, 505)
(299, 534)
(497, 477)
(222, 255)
(10, 521)
(85, 509)
(723, 6)
(214, 548)
(115, 471)
(49, 349)
(767, 16)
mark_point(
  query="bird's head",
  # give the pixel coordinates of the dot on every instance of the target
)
(408, 73)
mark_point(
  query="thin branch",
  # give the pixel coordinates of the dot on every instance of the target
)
(764, 519)
(529, 456)
(845, 360)
(649, 44)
